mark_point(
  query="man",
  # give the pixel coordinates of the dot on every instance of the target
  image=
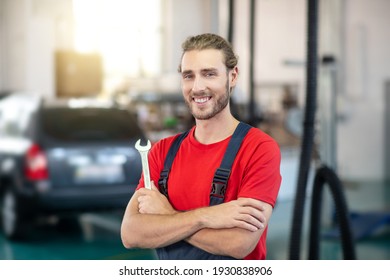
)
(183, 225)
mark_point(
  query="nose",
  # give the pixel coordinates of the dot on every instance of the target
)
(198, 84)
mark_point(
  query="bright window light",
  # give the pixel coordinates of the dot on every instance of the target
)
(127, 33)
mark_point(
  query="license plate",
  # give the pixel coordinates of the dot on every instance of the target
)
(99, 174)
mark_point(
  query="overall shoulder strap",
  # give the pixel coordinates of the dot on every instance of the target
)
(222, 174)
(162, 182)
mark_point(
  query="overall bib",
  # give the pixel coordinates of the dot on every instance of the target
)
(182, 250)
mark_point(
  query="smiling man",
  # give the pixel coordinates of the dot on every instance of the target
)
(217, 183)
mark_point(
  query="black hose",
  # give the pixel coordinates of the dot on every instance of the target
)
(327, 175)
(308, 128)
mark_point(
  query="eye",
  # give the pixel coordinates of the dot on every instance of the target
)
(210, 74)
(187, 76)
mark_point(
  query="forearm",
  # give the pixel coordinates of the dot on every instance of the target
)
(150, 222)
(155, 230)
(234, 242)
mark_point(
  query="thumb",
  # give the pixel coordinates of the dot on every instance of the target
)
(154, 186)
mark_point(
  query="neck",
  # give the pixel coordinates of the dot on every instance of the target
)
(216, 129)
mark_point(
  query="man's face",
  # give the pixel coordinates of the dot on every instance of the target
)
(206, 82)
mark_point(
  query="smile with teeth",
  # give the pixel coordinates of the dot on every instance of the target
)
(201, 100)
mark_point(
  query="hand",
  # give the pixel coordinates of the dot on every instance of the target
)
(245, 213)
(153, 202)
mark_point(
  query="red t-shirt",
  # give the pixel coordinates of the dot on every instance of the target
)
(255, 173)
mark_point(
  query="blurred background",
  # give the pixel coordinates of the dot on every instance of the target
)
(82, 80)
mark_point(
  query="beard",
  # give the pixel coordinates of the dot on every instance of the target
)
(219, 104)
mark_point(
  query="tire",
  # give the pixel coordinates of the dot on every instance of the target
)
(69, 224)
(12, 220)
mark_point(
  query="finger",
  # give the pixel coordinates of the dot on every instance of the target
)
(255, 213)
(252, 216)
(142, 191)
(253, 221)
(250, 223)
(247, 226)
(141, 210)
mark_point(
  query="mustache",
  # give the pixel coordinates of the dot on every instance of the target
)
(200, 94)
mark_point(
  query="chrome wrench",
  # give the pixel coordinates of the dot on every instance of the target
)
(144, 150)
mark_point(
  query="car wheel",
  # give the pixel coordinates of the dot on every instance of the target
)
(11, 218)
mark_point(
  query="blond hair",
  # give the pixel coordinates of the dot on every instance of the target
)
(210, 41)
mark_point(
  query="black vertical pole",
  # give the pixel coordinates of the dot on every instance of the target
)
(308, 128)
(230, 37)
(231, 21)
(252, 116)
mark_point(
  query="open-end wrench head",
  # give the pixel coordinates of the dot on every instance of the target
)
(142, 148)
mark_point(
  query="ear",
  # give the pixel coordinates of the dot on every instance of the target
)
(233, 76)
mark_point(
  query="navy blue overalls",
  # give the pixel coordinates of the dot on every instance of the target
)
(183, 250)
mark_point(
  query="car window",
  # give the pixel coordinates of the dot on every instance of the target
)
(89, 124)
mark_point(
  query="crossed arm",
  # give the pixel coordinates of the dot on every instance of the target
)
(151, 222)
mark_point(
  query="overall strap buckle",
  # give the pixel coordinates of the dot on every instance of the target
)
(163, 182)
(219, 185)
